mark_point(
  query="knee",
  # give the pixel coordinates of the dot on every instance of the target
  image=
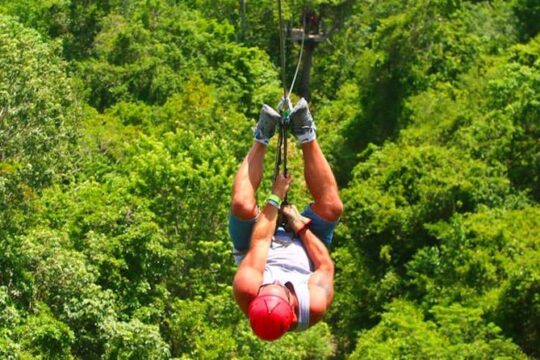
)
(335, 209)
(245, 209)
(330, 210)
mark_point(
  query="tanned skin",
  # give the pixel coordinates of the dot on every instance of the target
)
(326, 203)
(249, 276)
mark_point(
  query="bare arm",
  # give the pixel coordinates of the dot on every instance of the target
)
(249, 276)
(321, 282)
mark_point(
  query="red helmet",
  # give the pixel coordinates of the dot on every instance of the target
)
(270, 316)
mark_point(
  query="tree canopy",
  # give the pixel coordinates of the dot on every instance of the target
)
(122, 124)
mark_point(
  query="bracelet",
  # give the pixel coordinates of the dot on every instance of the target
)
(274, 200)
(303, 228)
(273, 203)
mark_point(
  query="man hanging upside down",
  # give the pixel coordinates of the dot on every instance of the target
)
(285, 276)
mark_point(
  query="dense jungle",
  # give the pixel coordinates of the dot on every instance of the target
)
(122, 123)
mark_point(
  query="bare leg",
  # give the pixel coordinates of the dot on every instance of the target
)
(246, 183)
(321, 182)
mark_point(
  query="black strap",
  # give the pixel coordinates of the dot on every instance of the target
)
(281, 152)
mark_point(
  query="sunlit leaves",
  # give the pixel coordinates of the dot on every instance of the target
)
(427, 110)
(455, 333)
(149, 54)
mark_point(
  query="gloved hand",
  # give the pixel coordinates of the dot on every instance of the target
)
(302, 124)
(284, 104)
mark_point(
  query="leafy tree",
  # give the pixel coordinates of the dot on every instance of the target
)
(149, 58)
(134, 340)
(527, 12)
(122, 124)
(399, 189)
(397, 52)
(404, 333)
(75, 23)
(38, 110)
(518, 310)
(202, 329)
(44, 336)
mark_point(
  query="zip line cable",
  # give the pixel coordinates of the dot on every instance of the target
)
(282, 51)
(301, 53)
(281, 154)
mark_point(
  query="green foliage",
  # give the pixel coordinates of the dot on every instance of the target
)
(149, 58)
(406, 334)
(9, 318)
(37, 105)
(44, 336)
(44, 16)
(134, 340)
(527, 12)
(518, 310)
(476, 254)
(498, 126)
(122, 124)
(399, 189)
(202, 329)
(455, 333)
(398, 51)
(38, 110)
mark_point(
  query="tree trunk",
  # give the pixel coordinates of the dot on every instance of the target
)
(309, 48)
(240, 37)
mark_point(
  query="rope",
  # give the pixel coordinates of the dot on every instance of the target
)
(282, 51)
(281, 154)
(301, 52)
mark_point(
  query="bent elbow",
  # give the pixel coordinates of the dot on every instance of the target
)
(328, 266)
